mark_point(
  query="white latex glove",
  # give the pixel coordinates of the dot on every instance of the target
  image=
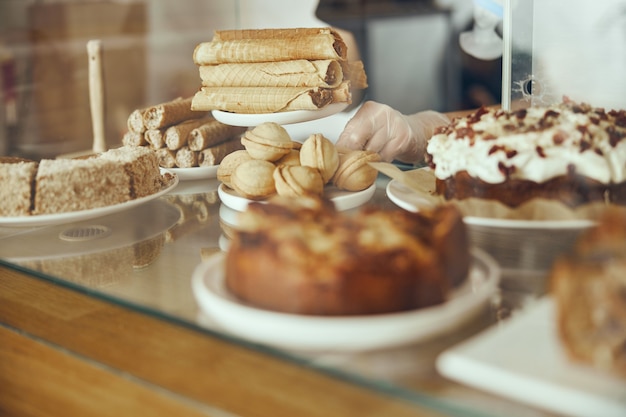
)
(380, 128)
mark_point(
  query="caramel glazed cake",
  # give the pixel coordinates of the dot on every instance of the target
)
(63, 185)
(571, 152)
(304, 257)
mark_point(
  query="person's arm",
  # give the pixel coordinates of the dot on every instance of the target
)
(395, 136)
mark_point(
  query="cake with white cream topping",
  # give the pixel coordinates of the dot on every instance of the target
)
(570, 152)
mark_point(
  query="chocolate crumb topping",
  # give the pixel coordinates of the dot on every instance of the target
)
(585, 145)
(615, 136)
(540, 151)
(559, 137)
(507, 171)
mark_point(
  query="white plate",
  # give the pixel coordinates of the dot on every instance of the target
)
(411, 200)
(347, 333)
(524, 360)
(344, 200)
(74, 216)
(195, 173)
(282, 118)
(196, 186)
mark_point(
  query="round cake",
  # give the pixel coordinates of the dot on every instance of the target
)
(302, 256)
(569, 152)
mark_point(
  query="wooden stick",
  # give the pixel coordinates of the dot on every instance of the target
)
(96, 94)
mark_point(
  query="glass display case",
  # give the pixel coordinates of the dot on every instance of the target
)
(150, 260)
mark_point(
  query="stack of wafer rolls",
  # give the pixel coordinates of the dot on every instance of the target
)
(182, 137)
(275, 70)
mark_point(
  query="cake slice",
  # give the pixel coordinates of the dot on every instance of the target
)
(64, 185)
(140, 165)
(16, 194)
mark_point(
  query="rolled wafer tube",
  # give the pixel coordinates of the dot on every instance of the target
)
(342, 94)
(135, 121)
(234, 34)
(213, 156)
(355, 72)
(177, 136)
(166, 158)
(310, 47)
(155, 138)
(131, 138)
(170, 113)
(186, 158)
(211, 133)
(294, 73)
(261, 99)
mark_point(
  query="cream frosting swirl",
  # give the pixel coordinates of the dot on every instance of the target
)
(535, 144)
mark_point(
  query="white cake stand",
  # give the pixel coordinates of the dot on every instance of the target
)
(282, 118)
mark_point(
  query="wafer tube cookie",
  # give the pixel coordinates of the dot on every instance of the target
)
(309, 47)
(166, 158)
(257, 100)
(342, 94)
(294, 73)
(170, 113)
(211, 133)
(354, 71)
(214, 155)
(154, 137)
(177, 136)
(186, 158)
(135, 121)
(133, 139)
(234, 34)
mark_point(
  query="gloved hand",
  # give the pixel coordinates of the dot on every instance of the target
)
(393, 135)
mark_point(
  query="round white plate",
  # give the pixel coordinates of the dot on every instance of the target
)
(344, 200)
(411, 200)
(74, 216)
(282, 118)
(345, 333)
(195, 173)
(196, 186)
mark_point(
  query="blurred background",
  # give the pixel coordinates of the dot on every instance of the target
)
(410, 50)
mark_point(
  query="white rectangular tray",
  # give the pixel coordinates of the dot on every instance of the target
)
(523, 359)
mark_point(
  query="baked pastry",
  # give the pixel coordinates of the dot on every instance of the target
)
(589, 287)
(62, 185)
(569, 152)
(275, 70)
(17, 177)
(302, 256)
(354, 173)
(254, 179)
(292, 158)
(229, 163)
(297, 181)
(268, 141)
(141, 166)
(320, 153)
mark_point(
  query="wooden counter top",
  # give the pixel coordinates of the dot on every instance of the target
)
(67, 352)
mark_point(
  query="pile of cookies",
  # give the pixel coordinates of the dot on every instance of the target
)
(275, 70)
(272, 163)
(181, 137)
